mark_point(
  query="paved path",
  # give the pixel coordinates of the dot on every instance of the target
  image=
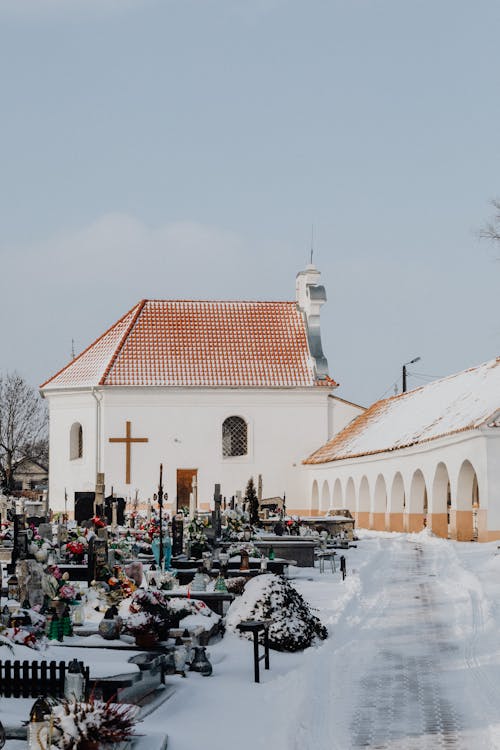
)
(415, 677)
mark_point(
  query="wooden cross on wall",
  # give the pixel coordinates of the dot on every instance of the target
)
(128, 440)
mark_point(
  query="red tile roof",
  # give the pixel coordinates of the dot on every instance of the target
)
(198, 343)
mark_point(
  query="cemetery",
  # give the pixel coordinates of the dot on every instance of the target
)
(106, 617)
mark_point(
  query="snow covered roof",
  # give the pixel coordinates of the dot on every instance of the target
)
(198, 343)
(459, 402)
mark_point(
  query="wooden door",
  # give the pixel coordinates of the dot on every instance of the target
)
(184, 486)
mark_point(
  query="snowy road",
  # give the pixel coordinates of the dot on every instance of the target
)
(411, 674)
(412, 662)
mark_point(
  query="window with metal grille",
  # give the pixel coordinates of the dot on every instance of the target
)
(234, 437)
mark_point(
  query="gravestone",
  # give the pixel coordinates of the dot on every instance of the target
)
(120, 510)
(84, 506)
(45, 531)
(62, 535)
(102, 533)
(216, 513)
(98, 558)
(177, 535)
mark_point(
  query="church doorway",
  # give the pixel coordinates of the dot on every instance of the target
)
(185, 486)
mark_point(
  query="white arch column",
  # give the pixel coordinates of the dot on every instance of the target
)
(394, 518)
(363, 505)
(379, 505)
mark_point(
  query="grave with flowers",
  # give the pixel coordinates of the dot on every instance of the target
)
(139, 618)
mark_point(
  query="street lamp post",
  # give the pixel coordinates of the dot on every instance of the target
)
(411, 362)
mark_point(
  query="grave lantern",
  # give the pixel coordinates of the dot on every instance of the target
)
(78, 611)
(13, 587)
(245, 562)
(74, 682)
(5, 618)
(247, 534)
(39, 727)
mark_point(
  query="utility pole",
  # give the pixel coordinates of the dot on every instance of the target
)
(411, 362)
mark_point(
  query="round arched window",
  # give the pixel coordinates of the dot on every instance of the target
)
(76, 441)
(234, 437)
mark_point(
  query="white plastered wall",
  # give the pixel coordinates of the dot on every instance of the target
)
(183, 427)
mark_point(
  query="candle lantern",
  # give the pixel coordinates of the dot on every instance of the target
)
(180, 656)
(245, 562)
(263, 564)
(13, 587)
(220, 584)
(74, 682)
(199, 582)
(78, 611)
(39, 727)
(200, 662)
(5, 616)
(247, 533)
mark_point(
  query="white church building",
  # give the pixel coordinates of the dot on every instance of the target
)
(429, 457)
(220, 391)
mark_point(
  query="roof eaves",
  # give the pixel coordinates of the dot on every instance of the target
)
(311, 461)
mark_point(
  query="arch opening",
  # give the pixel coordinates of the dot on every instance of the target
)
(438, 517)
(325, 496)
(467, 521)
(76, 441)
(415, 515)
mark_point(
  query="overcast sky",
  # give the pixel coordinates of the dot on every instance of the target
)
(183, 148)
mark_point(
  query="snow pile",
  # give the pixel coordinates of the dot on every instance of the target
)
(269, 597)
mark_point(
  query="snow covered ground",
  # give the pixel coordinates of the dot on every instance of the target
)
(413, 660)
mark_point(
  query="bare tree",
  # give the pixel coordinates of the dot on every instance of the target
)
(23, 427)
(491, 231)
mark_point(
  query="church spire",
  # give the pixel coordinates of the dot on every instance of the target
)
(310, 295)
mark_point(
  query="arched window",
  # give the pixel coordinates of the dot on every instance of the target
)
(234, 437)
(76, 441)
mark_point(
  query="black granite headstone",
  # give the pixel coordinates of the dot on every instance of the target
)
(84, 506)
(98, 558)
(177, 535)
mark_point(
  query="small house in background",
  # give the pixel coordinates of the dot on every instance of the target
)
(31, 475)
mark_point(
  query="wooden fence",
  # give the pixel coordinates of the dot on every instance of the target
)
(31, 679)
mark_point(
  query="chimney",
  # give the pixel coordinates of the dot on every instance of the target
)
(310, 295)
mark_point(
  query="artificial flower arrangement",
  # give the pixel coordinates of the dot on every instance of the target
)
(76, 724)
(76, 548)
(114, 584)
(66, 592)
(38, 541)
(196, 536)
(122, 548)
